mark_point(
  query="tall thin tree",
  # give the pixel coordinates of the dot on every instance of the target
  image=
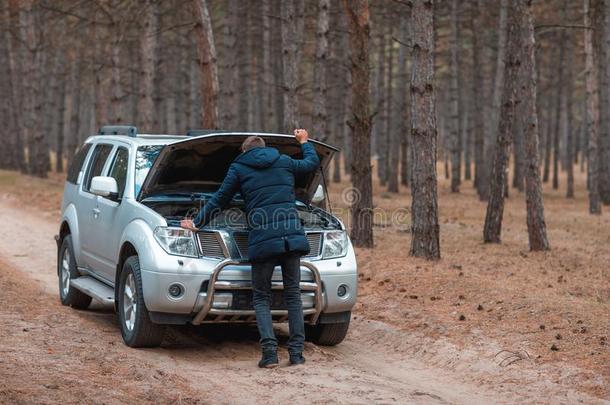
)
(424, 206)
(536, 225)
(357, 12)
(207, 61)
(149, 62)
(592, 111)
(498, 180)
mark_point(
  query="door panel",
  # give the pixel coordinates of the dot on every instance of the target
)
(108, 229)
(86, 207)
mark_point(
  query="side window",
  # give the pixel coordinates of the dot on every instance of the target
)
(77, 163)
(119, 169)
(96, 163)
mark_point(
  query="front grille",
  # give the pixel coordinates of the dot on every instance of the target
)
(314, 239)
(210, 244)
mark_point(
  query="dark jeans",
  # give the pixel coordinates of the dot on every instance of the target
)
(262, 271)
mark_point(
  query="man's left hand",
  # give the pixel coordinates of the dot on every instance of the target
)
(188, 224)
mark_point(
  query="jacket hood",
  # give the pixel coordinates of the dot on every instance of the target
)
(259, 158)
(199, 164)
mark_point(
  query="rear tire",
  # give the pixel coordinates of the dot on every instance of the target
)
(136, 327)
(327, 334)
(66, 271)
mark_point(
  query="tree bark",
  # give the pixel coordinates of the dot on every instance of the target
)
(558, 110)
(569, 159)
(149, 62)
(392, 135)
(320, 122)
(357, 12)
(604, 135)
(38, 159)
(13, 46)
(478, 86)
(379, 134)
(536, 226)
(207, 61)
(290, 43)
(266, 66)
(424, 205)
(592, 111)
(401, 123)
(498, 182)
(454, 101)
(496, 102)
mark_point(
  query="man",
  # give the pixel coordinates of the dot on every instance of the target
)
(266, 179)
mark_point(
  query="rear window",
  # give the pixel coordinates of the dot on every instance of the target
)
(77, 163)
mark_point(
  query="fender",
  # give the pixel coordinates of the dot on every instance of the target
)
(71, 218)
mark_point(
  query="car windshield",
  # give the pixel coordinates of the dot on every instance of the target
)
(145, 157)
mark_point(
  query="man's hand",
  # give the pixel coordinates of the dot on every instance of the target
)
(301, 135)
(188, 224)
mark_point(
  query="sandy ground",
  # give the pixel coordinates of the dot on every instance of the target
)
(476, 327)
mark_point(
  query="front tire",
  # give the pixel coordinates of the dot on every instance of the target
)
(66, 270)
(136, 326)
(327, 334)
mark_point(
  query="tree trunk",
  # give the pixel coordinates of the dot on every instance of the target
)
(424, 205)
(357, 12)
(290, 43)
(266, 66)
(228, 67)
(207, 61)
(551, 121)
(558, 110)
(401, 123)
(478, 86)
(393, 137)
(38, 163)
(496, 100)
(536, 226)
(13, 50)
(592, 112)
(454, 101)
(149, 62)
(604, 135)
(569, 124)
(116, 97)
(498, 181)
(379, 134)
(320, 123)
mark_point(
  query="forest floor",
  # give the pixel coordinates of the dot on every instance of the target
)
(486, 323)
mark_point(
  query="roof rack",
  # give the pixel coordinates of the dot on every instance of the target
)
(198, 132)
(128, 130)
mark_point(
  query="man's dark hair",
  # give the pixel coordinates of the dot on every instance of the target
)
(252, 142)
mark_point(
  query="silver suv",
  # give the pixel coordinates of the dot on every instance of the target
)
(120, 242)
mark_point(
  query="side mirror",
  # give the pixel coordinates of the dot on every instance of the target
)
(319, 194)
(104, 187)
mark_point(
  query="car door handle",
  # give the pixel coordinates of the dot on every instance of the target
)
(96, 212)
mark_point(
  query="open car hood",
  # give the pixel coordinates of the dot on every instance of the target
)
(199, 164)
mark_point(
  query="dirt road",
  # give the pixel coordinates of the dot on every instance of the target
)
(51, 353)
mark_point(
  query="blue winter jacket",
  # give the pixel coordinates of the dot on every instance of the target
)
(265, 179)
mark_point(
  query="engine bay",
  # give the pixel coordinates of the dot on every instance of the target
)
(234, 216)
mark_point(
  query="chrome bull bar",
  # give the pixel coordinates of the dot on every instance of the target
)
(214, 284)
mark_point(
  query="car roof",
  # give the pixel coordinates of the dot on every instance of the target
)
(141, 139)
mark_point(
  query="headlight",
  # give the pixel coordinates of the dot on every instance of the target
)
(176, 241)
(335, 244)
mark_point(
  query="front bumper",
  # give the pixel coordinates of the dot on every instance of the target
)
(210, 286)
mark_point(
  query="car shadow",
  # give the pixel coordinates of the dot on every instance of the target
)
(203, 337)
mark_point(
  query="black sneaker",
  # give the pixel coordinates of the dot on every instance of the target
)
(269, 359)
(296, 359)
